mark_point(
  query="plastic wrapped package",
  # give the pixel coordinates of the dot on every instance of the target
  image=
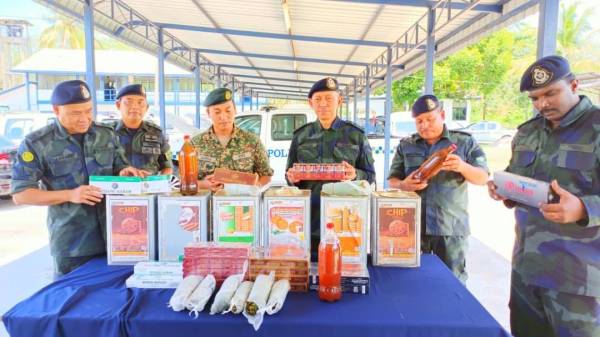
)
(183, 291)
(277, 296)
(238, 300)
(226, 292)
(200, 296)
(256, 305)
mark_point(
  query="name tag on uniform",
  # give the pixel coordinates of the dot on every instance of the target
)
(202, 157)
(150, 150)
(242, 156)
(151, 138)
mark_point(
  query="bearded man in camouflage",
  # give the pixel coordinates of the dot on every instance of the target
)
(555, 284)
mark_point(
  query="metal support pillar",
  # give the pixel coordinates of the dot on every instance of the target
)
(218, 77)
(198, 89)
(161, 81)
(90, 62)
(367, 99)
(242, 95)
(388, 113)
(547, 28)
(27, 89)
(430, 52)
(355, 112)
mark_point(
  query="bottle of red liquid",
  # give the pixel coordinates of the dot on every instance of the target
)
(330, 266)
(188, 168)
(433, 164)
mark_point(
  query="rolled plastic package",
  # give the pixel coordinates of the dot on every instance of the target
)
(183, 291)
(223, 298)
(348, 188)
(277, 296)
(256, 305)
(200, 296)
(239, 298)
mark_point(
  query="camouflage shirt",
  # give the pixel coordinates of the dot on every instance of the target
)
(57, 159)
(146, 148)
(244, 153)
(445, 200)
(563, 257)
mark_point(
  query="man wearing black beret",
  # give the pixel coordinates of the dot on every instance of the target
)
(62, 156)
(444, 219)
(145, 144)
(329, 139)
(555, 281)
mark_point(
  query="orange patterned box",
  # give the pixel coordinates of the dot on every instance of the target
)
(227, 176)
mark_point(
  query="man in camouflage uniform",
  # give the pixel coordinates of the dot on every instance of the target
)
(328, 140)
(555, 283)
(146, 147)
(224, 145)
(62, 156)
(444, 218)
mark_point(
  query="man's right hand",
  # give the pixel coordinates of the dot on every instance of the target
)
(494, 195)
(85, 194)
(209, 182)
(410, 184)
(291, 176)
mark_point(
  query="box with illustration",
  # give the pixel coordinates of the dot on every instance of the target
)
(236, 218)
(130, 229)
(396, 229)
(181, 220)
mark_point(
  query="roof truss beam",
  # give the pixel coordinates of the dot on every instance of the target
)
(456, 5)
(281, 57)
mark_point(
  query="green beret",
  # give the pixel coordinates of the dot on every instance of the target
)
(218, 96)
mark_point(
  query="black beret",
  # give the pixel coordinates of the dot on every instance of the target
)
(424, 104)
(326, 84)
(70, 92)
(218, 96)
(132, 89)
(545, 71)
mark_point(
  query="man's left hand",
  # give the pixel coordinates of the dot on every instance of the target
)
(349, 171)
(129, 172)
(569, 208)
(453, 163)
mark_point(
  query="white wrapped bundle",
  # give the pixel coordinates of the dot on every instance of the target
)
(183, 291)
(223, 297)
(277, 297)
(239, 298)
(197, 300)
(257, 300)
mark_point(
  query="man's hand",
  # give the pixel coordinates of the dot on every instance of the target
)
(494, 195)
(569, 209)
(85, 194)
(410, 184)
(209, 182)
(291, 177)
(130, 172)
(453, 163)
(349, 171)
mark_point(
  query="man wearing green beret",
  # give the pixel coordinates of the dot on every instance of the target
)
(224, 145)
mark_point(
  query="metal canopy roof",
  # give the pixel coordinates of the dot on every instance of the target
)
(286, 45)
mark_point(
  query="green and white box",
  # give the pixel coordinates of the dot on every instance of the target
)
(177, 215)
(236, 218)
(117, 184)
(156, 184)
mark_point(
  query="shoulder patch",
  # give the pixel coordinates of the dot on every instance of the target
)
(538, 117)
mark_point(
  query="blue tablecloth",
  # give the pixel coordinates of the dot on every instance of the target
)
(93, 301)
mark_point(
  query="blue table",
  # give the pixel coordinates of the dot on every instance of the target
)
(93, 301)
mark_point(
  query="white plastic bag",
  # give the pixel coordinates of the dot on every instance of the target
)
(277, 297)
(256, 304)
(223, 297)
(197, 300)
(239, 298)
(183, 291)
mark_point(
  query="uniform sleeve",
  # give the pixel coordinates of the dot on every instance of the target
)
(592, 202)
(476, 156)
(164, 160)
(120, 159)
(292, 156)
(261, 160)
(397, 170)
(26, 169)
(365, 168)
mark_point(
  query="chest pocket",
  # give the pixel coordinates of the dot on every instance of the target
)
(346, 151)
(522, 160)
(414, 160)
(206, 164)
(578, 162)
(308, 152)
(244, 161)
(64, 165)
(105, 158)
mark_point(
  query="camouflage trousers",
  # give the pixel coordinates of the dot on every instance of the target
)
(540, 312)
(451, 250)
(65, 264)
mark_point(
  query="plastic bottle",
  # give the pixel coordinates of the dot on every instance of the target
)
(433, 164)
(188, 168)
(330, 266)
